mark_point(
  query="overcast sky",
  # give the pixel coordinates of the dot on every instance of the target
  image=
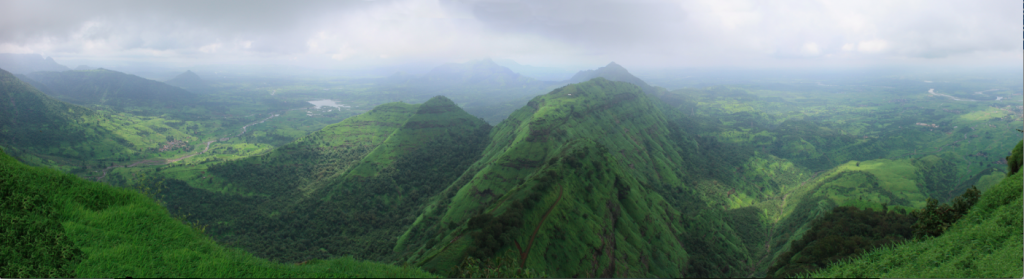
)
(569, 34)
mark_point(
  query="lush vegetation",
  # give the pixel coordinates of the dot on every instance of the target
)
(985, 243)
(597, 178)
(58, 225)
(348, 189)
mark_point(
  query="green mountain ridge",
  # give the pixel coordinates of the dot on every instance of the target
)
(350, 188)
(584, 181)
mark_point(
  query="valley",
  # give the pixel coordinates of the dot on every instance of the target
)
(602, 175)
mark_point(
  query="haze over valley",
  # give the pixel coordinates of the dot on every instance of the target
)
(477, 139)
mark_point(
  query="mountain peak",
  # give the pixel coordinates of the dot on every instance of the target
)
(612, 71)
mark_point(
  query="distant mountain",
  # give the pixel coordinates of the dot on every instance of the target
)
(27, 63)
(540, 73)
(191, 82)
(109, 88)
(84, 68)
(349, 189)
(32, 122)
(613, 72)
(484, 72)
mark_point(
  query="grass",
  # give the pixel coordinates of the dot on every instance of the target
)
(986, 243)
(123, 233)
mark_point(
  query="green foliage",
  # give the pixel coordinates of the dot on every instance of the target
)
(48, 231)
(32, 241)
(841, 234)
(1015, 160)
(935, 219)
(505, 266)
(986, 243)
(348, 189)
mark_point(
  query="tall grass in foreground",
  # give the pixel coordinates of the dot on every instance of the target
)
(57, 225)
(986, 243)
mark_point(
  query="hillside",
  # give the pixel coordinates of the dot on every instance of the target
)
(348, 189)
(58, 225)
(113, 89)
(28, 63)
(985, 243)
(33, 124)
(591, 180)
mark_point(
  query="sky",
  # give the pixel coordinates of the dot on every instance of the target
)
(581, 34)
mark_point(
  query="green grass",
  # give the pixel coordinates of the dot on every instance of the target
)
(986, 243)
(121, 232)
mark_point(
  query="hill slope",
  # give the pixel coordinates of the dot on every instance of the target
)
(587, 180)
(37, 124)
(985, 243)
(114, 89)
(349, 189)
(58, 225)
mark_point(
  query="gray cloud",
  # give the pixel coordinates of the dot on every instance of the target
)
(656, 34)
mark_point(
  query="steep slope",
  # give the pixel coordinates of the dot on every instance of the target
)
(613, 72)
(114, 89)
(587, 180)
(985, 243)
(35, 123)
(27, 63)
(191, 82)
(349, 189)
(58, 225)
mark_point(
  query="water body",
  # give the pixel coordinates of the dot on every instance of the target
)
(328, 103)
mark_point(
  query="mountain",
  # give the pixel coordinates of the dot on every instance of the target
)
(58, 225)
(32, 122)
(613, 72)
(191, 82)
(84, 68)
(114, 89)
(540, 73)
(484, 72)
(590, 180)
(349, 189)
(27, 63)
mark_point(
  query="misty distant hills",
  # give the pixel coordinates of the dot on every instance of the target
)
(613, 72)
(539, 73)
(484, 72)
(84, 68)
(27, 63)
(110, 88)
(191, 82)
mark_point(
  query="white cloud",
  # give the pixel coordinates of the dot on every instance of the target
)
(872, 46)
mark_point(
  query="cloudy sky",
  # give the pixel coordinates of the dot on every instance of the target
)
(569, 34)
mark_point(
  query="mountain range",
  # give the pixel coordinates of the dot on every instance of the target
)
(28, 63)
